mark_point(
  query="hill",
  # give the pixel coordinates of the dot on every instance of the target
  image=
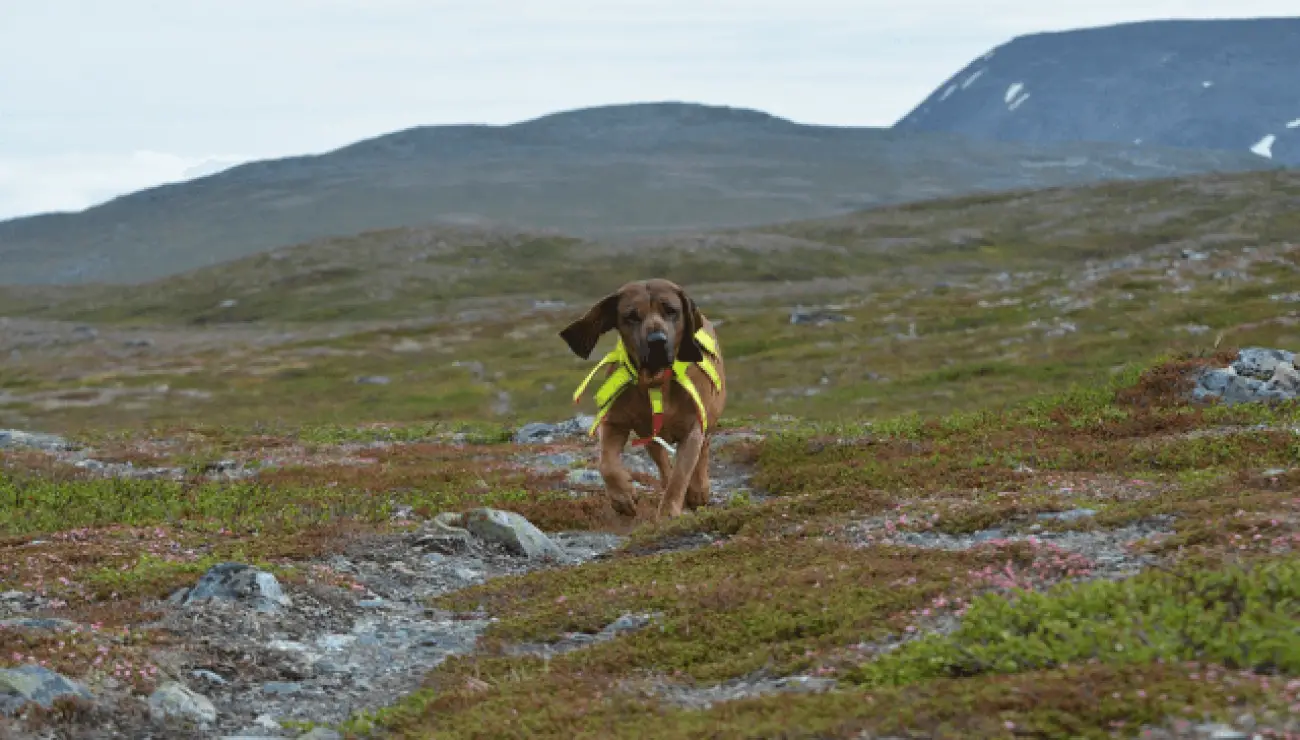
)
(597, 173)
(409, 273)
(1203, 84)
(942, 305)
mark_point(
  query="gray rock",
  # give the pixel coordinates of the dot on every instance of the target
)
(1286, 379)
(209, 676)
(1220, 732)
(1260, 362)
(34, 684)
(1068, 516)
(585, 478)
(627, 623)
(281, 688)
(373, 380)
(1257, 375)
(513, 532)
(237, 583)
(15, 439)
(38, 623)
(174, 701)
(321, 733)
(543, 433)
(816, 316)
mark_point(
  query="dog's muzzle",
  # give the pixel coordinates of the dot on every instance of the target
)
(658, 354)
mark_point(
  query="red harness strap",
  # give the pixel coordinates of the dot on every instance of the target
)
(657, 414)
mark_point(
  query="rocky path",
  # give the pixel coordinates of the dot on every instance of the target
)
(250, 657)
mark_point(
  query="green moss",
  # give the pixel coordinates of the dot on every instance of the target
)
(726, 610)
(1242, 618)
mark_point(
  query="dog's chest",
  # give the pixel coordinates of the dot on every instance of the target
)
(680, 415)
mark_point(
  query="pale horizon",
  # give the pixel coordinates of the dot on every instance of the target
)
(115, 98)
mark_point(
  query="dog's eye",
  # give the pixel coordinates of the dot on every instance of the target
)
(669, 311)
(631, 318)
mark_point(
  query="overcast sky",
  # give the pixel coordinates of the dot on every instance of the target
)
(102, 97)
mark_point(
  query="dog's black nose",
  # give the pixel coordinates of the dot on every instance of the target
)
(657, 337)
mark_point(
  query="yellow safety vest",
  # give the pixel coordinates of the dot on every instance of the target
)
(624, 374)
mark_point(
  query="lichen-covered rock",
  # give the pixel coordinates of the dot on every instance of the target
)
(1260, 362)
(236, 583)
(32, 684)
(1257, 375)
(14, 439)
(174, 701)
(543, 433)
(513, 532)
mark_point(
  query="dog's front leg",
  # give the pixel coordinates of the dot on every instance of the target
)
(662, 461)
(688, 454)
(618, 482)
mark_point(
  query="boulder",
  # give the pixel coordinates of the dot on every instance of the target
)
(513, 532)
(35, 685)
(236, 583)
(174, 701)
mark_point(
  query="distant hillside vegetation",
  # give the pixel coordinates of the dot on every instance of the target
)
(596, 173)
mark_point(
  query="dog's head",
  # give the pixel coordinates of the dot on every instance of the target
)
(655, 318)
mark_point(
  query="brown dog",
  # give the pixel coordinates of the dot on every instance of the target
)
(658, 324)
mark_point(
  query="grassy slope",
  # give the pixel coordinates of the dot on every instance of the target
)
(405, 273)
(935, 325)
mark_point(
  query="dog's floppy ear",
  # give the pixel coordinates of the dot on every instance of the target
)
(583, 334)
(692, 321)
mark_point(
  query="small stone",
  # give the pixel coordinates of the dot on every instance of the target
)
(287, 646)
(35, 684)
(372, 603)
(407, 345)
(465, 574)
(1285, 379)
(372, 380)
(173, 700)
(335, 642)
(333, 667)
(1068, 516)
(38, 624)
(281, 688)
(626, 623)
(209, 676)
(267, 722)
(800, 315)
(585, 478)
(13, 438)
(321, 733)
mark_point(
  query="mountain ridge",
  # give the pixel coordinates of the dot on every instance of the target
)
(1204, 84)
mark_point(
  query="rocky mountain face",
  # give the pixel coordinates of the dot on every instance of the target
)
(1216, 84)
(602, 172)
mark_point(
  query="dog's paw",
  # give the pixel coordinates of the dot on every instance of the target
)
(623, 505)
